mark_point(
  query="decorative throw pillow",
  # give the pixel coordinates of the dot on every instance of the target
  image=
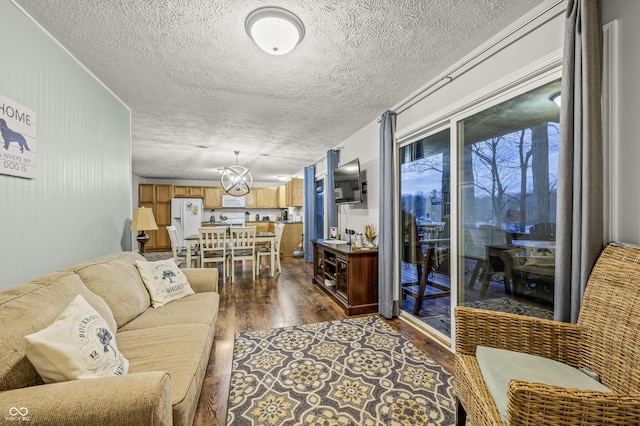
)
(164, 280)
(77, 345)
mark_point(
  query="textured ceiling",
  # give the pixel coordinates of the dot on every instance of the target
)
(199, 88)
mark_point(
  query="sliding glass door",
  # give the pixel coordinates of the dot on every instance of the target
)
(425, 204)
(501, 253)
(507, 175)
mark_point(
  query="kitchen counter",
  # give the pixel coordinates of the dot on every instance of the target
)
(222, 223)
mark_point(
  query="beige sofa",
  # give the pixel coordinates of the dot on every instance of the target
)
(167, 348)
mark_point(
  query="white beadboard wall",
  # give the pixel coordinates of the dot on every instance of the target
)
(79, 205)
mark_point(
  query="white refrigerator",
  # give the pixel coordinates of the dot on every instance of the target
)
(186, 216)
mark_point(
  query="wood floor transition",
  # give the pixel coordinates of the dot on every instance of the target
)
(287, 299)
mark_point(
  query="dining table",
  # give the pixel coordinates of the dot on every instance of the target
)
(269, 238)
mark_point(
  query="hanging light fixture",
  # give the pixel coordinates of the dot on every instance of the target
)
(556, 98)
(274, 29)
(236, 180)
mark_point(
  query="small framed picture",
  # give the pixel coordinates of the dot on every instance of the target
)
(333, 233)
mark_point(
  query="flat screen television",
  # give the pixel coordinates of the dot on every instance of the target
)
(346, 183)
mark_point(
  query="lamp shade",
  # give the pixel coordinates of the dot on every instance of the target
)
(143, 220)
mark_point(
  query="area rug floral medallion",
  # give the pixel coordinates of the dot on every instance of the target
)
(358, 371)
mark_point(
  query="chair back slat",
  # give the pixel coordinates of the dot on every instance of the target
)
(175, 243)
(278, 239)
(243, 238)
(610, 316)
(213, 239)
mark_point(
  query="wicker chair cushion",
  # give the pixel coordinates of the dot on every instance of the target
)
(499, 366)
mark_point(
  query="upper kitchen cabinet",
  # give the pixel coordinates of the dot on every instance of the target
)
(212, 197)
(281, 197)
(163, 193)
(294, 190)
(146, 195)
(261, 198)
(267, 198)
(188, 192)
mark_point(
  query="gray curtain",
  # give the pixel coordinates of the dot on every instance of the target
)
(330, 196)
(309, 211)
(579, 238)
(387, 306)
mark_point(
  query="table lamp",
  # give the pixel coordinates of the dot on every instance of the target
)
(143, 221)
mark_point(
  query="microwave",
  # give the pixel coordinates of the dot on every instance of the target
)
(229, 201)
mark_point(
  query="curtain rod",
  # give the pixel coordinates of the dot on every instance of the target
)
(337, 148)
(449, 78)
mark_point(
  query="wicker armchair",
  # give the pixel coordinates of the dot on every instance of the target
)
(605, 340)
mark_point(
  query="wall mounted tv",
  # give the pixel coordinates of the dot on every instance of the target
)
(346, 183)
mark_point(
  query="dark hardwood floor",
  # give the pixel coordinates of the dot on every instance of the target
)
(287, 299)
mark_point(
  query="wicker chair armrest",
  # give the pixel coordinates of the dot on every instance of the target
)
(538, 404)
(551, 339)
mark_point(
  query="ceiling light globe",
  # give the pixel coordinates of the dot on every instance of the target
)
(275, 30)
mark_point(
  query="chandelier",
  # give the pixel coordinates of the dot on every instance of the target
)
(236, 180)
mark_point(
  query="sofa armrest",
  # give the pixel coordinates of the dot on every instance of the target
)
(538, 404)
(135, 399)
(202, 279)
(550, 339)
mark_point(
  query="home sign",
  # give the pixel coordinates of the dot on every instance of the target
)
(17, 139)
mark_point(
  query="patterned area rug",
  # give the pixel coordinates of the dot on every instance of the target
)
(505, 304)
(358, 371)
(440, 319)
(152, 256)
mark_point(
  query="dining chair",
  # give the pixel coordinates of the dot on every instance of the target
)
(243, 245)
(213, 247)
(179, 253)
(271, 250)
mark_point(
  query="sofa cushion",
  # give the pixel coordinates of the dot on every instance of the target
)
(181, 351)
(116, 279)
(499, 367)
(78, 344)
(30, 307)
(199, 308)
(164, 281)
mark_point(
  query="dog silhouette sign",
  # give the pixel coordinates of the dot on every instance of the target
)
(18, 138)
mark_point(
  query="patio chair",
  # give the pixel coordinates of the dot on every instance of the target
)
(603, 343)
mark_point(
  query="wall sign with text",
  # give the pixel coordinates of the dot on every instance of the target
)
(17, 140)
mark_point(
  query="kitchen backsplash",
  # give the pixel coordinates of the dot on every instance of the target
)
(295, 213)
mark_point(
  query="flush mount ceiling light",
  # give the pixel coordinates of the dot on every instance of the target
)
(274, 29)
(236, 180)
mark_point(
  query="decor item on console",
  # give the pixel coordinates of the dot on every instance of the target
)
(143, 221)
(370, 235)
(167, 348)
(236, 180)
